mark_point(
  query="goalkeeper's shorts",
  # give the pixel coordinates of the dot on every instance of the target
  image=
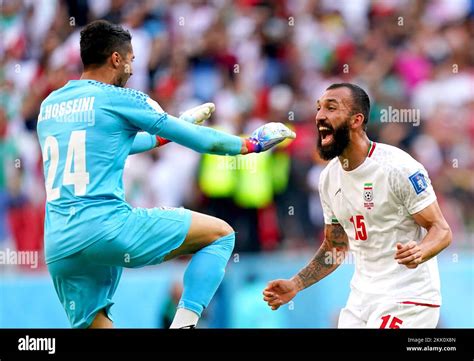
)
(86, 281)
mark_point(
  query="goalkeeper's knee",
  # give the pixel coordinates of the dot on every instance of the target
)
(222, 246)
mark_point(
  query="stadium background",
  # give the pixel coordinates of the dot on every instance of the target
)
(259, 61)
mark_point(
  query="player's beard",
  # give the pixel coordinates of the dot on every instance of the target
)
(340, 141)
(121, 80)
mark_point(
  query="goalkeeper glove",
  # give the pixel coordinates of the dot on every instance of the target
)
(199, 114)
(267, 136)
(196, 115)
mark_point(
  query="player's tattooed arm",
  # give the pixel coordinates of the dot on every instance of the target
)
(327, 258)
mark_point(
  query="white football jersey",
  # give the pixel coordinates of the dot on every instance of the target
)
(374, 204)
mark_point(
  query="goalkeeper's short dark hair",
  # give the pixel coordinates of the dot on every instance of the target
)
(360, 99)
(100, 39)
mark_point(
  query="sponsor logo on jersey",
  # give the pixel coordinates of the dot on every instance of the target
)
(418, 181)
(368, 195)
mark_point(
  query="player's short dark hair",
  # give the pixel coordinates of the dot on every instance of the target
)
(360, 99)
(100, 39)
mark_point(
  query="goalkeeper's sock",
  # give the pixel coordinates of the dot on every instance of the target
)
(203, 276)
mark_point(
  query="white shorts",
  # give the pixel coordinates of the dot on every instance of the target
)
(389, 315)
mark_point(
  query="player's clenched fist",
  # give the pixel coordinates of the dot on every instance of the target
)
(279, 292)
(409, 254)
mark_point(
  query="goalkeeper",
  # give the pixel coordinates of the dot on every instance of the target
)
(91, 232)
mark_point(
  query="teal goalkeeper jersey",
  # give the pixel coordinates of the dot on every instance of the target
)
(86, 130)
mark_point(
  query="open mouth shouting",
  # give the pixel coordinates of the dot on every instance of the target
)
(326, 133)
(332, 141)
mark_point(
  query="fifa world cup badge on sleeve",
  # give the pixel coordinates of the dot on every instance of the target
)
(368, 195)
(419, 182)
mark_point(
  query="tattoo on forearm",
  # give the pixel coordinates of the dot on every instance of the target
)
(315, 268)
(338, 237)
(319, 267)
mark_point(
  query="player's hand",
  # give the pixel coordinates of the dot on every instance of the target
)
(199, 114)
(269, 135)
(409, 254)
(279, 292)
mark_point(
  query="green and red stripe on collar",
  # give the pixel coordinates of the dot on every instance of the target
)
(371, 149)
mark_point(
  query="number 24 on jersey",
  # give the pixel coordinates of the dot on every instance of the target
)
(76, 153)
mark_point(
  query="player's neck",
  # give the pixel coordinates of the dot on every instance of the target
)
(356, 152)
(98, 74)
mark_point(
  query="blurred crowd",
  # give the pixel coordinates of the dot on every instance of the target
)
(258, 61)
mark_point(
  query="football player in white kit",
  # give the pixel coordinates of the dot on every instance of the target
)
(378, 204)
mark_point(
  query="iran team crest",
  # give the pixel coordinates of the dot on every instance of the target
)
(368, 195)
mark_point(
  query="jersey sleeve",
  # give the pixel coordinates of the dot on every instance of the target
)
(411, 184)
(329, 217)
(137, 108)
(143, 142)
(200, 138)
(145, 114)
